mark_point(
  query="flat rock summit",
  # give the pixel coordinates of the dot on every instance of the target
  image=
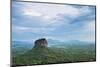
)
(40, 43)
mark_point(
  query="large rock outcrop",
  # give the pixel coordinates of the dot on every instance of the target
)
(40, 43)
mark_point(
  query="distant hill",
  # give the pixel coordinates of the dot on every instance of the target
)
(68, 43)
(20, 47)
(53, 42)
(22, 44)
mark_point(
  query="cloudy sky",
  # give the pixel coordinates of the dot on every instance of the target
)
(31, 21)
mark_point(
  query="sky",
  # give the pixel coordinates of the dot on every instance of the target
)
(31, 21)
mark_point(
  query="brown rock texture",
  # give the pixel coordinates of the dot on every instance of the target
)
(40, 43)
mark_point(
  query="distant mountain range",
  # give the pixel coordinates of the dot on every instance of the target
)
(70, 42)
(53, 42)
(50, 43)
(21, 44)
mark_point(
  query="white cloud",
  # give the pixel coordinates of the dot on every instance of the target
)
(30, 12)
(88, 31)
(52, 14)
(19, 29)
(36, 30)
(85, 10)
(51, 11)
(90, 26)
(22, 28)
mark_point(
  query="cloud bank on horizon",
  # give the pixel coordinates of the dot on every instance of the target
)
(31, 21)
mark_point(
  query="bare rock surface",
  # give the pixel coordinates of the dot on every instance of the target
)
(40, 43)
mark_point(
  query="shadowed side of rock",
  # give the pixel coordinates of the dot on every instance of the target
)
(40, 43)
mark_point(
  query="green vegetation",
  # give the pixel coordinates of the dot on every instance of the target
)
(19, 50)
(55, 54)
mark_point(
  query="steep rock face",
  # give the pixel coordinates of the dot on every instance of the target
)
(40, 43)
